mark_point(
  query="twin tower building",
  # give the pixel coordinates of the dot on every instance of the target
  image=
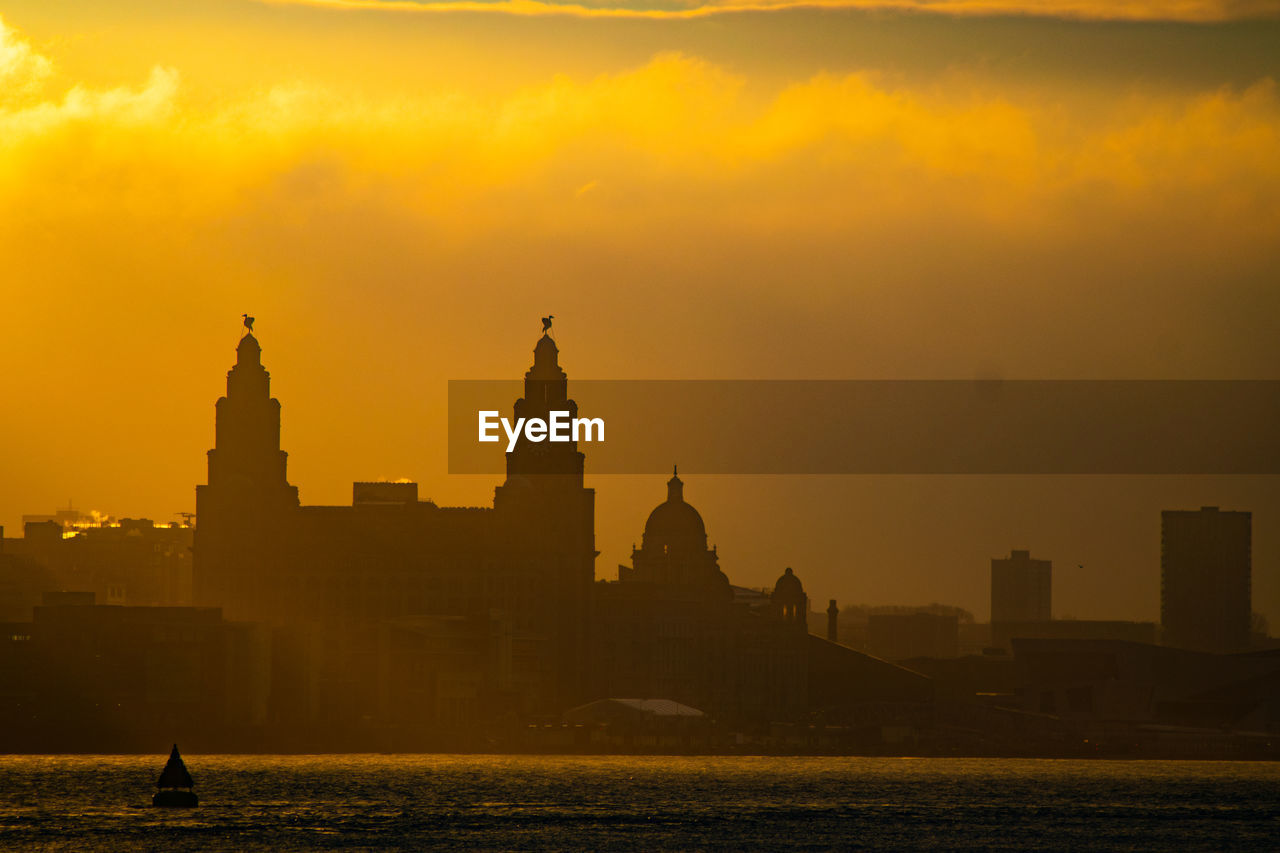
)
(479, 610)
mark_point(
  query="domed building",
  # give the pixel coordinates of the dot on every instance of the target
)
(672, 627)
(673, 549)
(789, 602)
(428, 618)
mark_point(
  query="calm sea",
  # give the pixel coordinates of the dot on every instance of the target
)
(626, 803)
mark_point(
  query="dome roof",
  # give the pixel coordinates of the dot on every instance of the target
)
(674, 523)
(788, 586)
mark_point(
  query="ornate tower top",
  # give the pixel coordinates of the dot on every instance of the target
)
(675, 487)
(249, 351)
(546, 361)
(247, 455)
(546, 390)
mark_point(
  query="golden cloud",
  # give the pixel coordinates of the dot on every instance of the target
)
(21, 69)
(678, 138)
(1194, 11)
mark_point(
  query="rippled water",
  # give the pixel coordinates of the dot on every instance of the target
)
(627, 803)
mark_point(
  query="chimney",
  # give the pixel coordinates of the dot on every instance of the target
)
(833, 622)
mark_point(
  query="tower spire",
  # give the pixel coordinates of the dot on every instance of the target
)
(249, 351)
(675, 487)
(247, 427)
(546, 390)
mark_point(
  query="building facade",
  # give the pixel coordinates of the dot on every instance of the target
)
(527, 562)
(133, 562)
(901, 636)
(1205, 578)
(672, 628)
(84, 676)
(1021, 588)
(399, 619)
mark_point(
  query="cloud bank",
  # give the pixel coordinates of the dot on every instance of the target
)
(1191, 11)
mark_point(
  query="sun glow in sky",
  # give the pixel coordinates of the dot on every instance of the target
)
(398, 191)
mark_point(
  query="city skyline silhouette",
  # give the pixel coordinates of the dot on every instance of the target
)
(918, 376)
(399, 612)
(1106, 526)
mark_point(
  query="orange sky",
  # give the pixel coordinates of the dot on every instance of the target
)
(399, 193)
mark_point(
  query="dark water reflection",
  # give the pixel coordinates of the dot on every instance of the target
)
(650, 803)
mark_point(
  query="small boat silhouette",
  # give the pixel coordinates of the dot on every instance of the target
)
(172, 780)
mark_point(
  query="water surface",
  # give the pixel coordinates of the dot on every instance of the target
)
(640, 803)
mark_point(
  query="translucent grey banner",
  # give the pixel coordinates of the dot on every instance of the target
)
(897, 427)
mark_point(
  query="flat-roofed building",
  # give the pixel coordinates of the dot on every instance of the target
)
(1021, 588)
(1205, 569)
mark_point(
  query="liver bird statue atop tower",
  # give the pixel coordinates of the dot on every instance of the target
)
(546, 323)
(248, 323)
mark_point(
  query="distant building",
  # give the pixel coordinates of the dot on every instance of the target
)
(1021, 588)
(974, 638)
(1004, 633)
(1205, 568)
(22, 582)
(899, 636)
(1116, 681)
(130, 562)
(672, 627)
(638, 713)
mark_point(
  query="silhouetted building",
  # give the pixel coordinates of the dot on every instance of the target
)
(397, 616)
(1205, 575)
(636, 725)
(22, 582)
(263, 556)
(898, 636)
(103, 676)
(130, 562)
(384, 494)
(969, 677)
(1112, 681)
(671, 627)
(844, 682)
(974, 637)
(1021, 588)
(790, 604)
(67, 598)
(1004, 633)
(447, 671)
(833, 622)
(638, 713)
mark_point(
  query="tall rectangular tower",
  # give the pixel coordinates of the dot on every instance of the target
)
(1021, 588)
(1205, 568)
(544, 506)
(240, 553)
